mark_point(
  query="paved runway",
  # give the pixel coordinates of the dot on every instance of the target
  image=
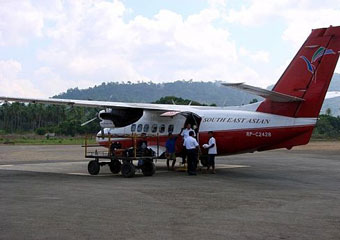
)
(46, 193)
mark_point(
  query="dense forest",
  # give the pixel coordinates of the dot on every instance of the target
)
(327, 127)
(39, 118)
(63, 120)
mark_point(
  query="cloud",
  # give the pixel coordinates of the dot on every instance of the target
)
(12, 84)
(299, 17)
(19, 22)
(88, 42)
(300, 22)
(256, 56)
(165, 47)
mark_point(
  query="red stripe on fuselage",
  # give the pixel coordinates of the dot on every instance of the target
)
(242, 140)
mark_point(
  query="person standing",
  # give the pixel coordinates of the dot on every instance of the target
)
(191, 146)
(185, 133)
(212, 151)
(142, 147)
(170, 146)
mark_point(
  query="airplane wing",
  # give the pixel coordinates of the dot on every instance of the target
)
(105, 104)
(272, 95)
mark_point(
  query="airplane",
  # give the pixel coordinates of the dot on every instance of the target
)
(284, 119)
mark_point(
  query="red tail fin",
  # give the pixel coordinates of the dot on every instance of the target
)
(308, 75)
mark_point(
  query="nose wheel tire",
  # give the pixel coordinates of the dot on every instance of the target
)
(128, 170)
(148, 168)
(115, 166)
(93, 167)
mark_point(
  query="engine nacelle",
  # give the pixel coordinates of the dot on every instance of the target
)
(111, 118)
(106, 124)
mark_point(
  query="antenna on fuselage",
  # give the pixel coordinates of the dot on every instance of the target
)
(225, 101)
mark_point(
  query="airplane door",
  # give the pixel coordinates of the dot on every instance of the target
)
(194, 120)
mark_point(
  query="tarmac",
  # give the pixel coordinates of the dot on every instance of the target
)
(46, 193)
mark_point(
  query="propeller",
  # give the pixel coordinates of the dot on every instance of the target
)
(87, 122)
(91, 120)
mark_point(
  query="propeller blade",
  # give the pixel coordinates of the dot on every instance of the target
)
(87, 122)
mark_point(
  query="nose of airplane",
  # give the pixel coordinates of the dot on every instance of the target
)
(104, 131)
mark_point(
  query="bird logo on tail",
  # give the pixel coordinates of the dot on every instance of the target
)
(317, 54)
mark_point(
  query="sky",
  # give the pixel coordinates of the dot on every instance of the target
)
(49, 46)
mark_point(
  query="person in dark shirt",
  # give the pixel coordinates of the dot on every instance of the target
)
(142, 144)
(170, 146)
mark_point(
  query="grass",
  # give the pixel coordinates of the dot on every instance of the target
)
(41, 140)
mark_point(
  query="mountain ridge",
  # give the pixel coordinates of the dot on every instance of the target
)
(203, 92)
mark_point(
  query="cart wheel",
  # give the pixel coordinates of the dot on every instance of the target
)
(128, 170)
(115, 166)
(93, 167)
(148, 168)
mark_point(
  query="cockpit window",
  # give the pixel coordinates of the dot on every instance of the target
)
(133, 127)
(162, 128)
(146, 128)
(139, 127)
(154, 128)
(170, 128)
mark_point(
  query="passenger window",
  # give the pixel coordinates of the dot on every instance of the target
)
(170, 128)
(154, 128)
(139, 127)
(133, 127)
(162, 128)
(146, 128)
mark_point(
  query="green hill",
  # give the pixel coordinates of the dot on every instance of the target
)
(203, 92)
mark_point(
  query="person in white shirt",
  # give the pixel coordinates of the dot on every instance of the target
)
(191, 146)
(212, 151)
(185, 133)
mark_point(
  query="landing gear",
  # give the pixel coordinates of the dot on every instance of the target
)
(93, 167)
(115, 166)
(148, 168)
(204, 160)
(128, 170)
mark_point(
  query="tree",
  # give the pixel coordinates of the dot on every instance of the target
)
(39, 118)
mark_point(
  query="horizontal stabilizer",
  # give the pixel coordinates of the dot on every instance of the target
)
(272, 95)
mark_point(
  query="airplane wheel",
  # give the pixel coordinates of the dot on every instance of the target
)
(115, 166)
(128, 170)
(148, 168)
(93, 167)
(204, 161)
